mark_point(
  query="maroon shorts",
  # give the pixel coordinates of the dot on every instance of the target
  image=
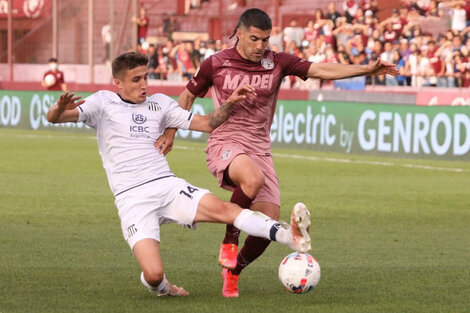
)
(219, 158)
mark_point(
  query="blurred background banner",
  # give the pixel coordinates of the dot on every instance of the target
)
(359, 128)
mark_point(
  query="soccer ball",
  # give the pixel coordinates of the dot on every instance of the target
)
(49, 80)
(299, 272)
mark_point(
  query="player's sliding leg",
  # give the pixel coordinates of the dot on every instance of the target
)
(254, 247)
(147, 253)
(249, 179)
(295, 236)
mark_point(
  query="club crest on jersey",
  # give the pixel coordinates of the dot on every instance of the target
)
(267, 63)
(226, 154)
(138, 118)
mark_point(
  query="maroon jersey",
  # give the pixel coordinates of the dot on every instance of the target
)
(250, 122)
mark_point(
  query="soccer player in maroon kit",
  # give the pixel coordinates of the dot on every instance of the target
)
(238, 152)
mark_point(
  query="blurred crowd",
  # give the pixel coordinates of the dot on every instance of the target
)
(352, 34)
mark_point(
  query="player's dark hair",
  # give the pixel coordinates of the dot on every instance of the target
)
(253, 17)
(53, 60)
(128, 61)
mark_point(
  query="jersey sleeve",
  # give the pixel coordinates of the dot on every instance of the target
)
(293, 65)
(174, 115)
(202, 81)
(90, 111)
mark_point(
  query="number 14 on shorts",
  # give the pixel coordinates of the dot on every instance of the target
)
(188, 193)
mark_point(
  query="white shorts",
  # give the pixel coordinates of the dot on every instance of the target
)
(168, 200)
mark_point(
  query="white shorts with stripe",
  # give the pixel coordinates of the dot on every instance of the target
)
(144, 208)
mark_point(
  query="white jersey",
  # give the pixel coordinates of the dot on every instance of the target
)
(126, 133)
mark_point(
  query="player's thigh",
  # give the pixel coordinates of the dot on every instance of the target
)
(244, 171)
(212, 209)
(270, 209)
(147, 253)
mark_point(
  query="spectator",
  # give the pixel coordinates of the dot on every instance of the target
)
(312, 31)
(437, 64)
(327, 30)
(194, 54)
(350, 8)
(153, 61)
(142, 25)
(411, 67)
(53, 79)
(342, 56)
(343, 32)
(198, 49)
(463, 67)
(172, 64)
(400, 63)
(425, 71)
(371, 5)
(404, 49)
(459, 17)
(185, 67)
(332, 13)
(387, 54)
(161, 71)
(106, 37)
(433, 9)
(276, 40)
(210, 50)
(170, 25)
(294, 32)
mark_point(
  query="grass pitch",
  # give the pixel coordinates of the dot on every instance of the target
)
(390, 235)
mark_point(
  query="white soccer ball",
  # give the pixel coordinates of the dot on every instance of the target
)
(299, 272)
(49, 80)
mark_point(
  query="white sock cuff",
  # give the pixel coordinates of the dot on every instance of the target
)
(241, 218)
(153, 288)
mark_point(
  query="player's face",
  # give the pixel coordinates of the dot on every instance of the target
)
(133, 87)
(253, 42)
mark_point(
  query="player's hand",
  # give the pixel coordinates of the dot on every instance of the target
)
(67, 101)
(165, 142)
(380, 67)
(241, 93)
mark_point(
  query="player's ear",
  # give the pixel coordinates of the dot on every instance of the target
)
(239, 32)
(117, 82)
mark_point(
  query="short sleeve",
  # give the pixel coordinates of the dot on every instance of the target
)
(202, 81)
(293, 65)
(175, 116)
(90, 111)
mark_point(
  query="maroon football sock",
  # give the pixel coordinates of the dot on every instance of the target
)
(231, 232)
(252, 249)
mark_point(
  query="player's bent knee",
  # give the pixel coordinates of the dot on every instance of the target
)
(253, 183)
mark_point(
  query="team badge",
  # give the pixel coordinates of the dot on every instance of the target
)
(226, 154)
(32, 8)
(138, 118)
(267, 63)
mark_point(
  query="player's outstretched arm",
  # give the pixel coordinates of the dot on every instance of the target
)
(65, 109)
(207, 123)
(332, 71)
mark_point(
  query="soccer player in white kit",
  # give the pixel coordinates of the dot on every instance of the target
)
(147, 194)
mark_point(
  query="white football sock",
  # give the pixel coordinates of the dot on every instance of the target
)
(260, 225)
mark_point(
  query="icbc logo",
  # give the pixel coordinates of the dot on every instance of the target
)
(139, 129)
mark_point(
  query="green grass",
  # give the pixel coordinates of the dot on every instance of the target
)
(389, 237)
